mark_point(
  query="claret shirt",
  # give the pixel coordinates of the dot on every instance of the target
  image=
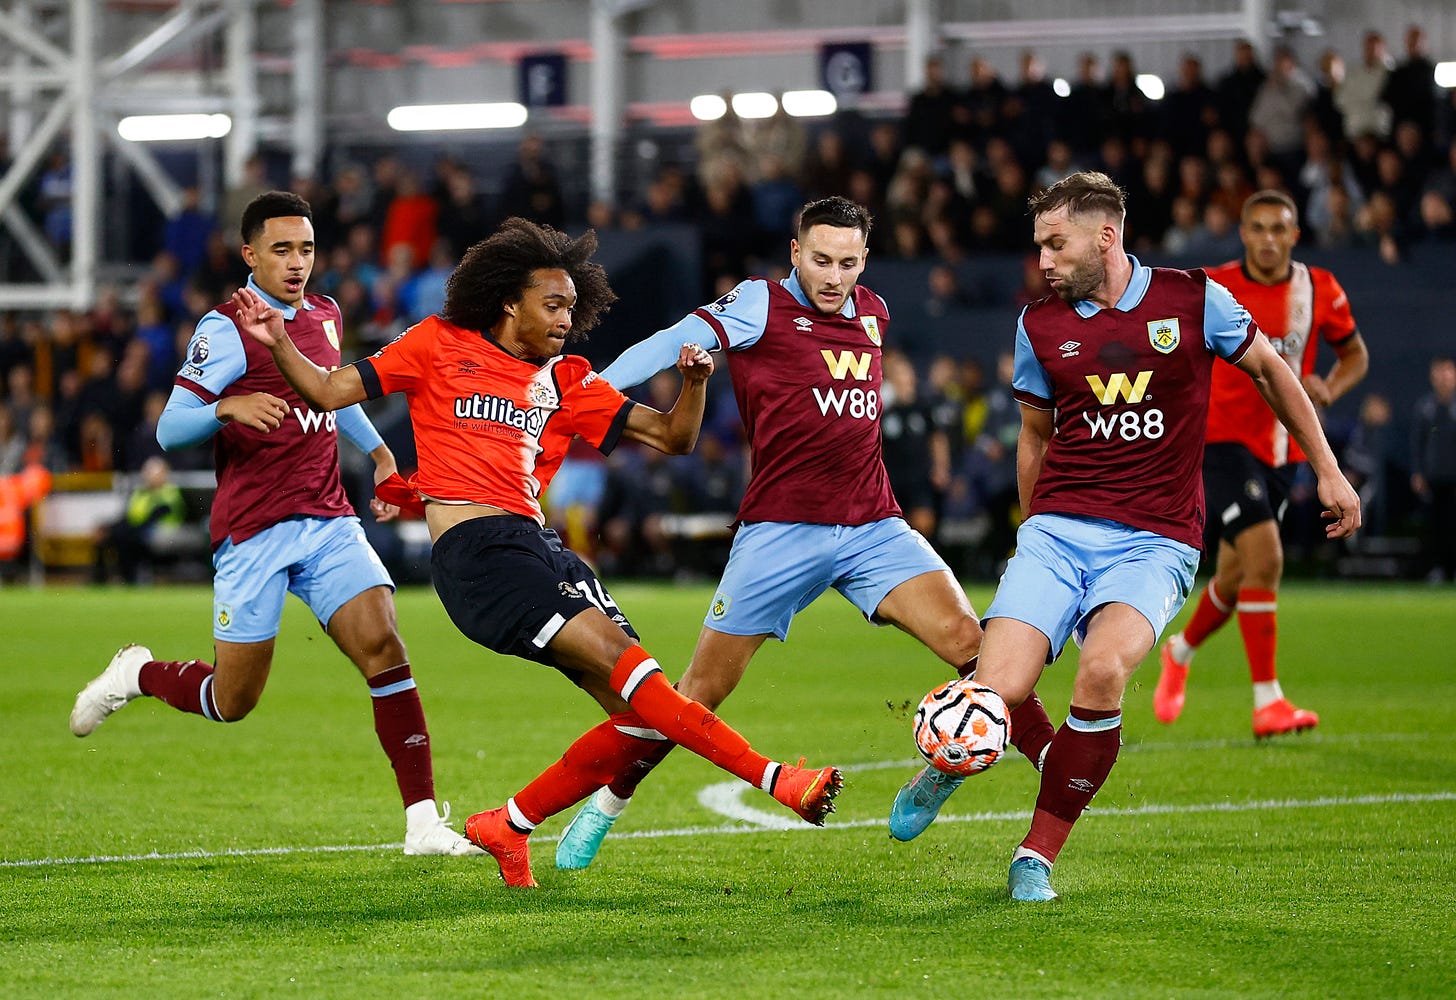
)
(491, 428)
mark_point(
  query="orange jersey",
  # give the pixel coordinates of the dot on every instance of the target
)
(1295, 314)
(489, 427)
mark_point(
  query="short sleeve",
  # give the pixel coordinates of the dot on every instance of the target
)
(738, 318)
(1228, 329)
(598, 411)
(1030, 383)
(215, 358)
(1338, 323)
(398, 365)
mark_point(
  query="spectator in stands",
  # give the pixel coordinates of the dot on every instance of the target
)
(42, 447)
(20, 393)
(776, 199)
(1190, 109)
(1237, 86)
(1323, 109)
(1433, 467)
(154, 509)
(12, 443)
(1060, 162)
(1359, 96)
(827, 172)
(412, 220)
(993, 466)
(1083, 113)
(916, 450)
(1436, 218)
(54, 201)
(1127, 106)
(252, 182)
(1030, 109)
(928, 118)
(1367, 460)
(1331, 217)
(1184, 230)
(1279, 107)
(18, 493)
(1151, 213)
(185, 234)
(1378, 225)
(141, 441)
(532, 189)
(1410, 89)
(464, 217)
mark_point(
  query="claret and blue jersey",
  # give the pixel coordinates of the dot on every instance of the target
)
(1129, 387)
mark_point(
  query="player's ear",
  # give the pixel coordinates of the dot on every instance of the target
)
(250, 256)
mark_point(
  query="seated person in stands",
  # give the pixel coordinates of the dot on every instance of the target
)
(154, 511)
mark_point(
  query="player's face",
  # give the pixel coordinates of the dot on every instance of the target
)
(830, 260)
(281, 257)
(1269, 233)
(1071, 254)
(537, 325)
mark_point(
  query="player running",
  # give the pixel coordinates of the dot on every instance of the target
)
(1113, 375)
(494, 403)
(281, 523)
(818, 511)
(1250, 462)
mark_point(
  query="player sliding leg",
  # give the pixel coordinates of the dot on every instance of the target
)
(635, 678)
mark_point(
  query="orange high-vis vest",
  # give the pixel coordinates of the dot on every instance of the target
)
(17, 493)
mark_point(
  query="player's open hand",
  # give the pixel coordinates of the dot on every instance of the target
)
(1341, 506)
(695, 363)
(261, 411)
(257, 318)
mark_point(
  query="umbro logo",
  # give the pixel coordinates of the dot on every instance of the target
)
(469, 367)
(1069, 349)
(804, 323)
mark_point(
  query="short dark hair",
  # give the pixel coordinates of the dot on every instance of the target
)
(1269, 196)
(501, 267)
(1086, 193)
(271, 205)
(835, 211)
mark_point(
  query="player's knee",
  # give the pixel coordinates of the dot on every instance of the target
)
(966, 638)
(1264, 571)
(233, 706)
(1102, 676)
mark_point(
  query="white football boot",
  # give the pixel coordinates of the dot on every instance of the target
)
(434, 836)
(118, 684)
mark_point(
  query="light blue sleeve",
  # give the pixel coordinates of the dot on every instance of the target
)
(1029, 376)
(1225, 321)
(741, 314)
(186, 421)
(356, 426)
(215, 355)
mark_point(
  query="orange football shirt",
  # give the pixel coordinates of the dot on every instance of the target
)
(1296, 314)
(489, 427)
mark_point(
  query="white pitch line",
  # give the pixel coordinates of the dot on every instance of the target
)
(1155, 809)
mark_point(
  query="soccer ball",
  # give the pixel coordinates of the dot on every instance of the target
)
(962, 727)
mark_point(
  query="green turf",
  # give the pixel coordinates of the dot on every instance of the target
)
(1209, 865)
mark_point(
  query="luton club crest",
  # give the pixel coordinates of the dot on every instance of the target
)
(1163, 335)
(872, 329)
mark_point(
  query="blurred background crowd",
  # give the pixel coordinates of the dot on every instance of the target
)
(1364, 142)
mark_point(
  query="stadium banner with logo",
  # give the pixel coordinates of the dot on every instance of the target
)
(846, 68)
(543, 80)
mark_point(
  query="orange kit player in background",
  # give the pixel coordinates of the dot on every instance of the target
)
(494, 403)
(1250, 461)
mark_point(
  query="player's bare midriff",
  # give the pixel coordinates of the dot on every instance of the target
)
(441, 517)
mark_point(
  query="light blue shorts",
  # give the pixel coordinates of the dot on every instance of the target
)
(1065, 568)
(776, 569)
(324, 560)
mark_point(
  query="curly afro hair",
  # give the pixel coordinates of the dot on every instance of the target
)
(500, 268)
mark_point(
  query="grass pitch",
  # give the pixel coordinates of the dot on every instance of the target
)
(168, 856)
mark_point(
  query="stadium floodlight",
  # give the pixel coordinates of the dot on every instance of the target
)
(708, 107)
(755, 104)
(455, 117)
(809, 103)
(1151, 85)
(173, 128)
(1446, 75)
(1061, 87)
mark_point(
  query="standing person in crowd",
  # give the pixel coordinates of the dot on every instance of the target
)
(281, 523)
(1433, 466)
(1250, 463)
(1112, 374)
(818, 512)
(494, 403)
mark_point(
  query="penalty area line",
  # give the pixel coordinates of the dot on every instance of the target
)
(1152, 809)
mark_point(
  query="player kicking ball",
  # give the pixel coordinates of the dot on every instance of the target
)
(494, 403)
(1112, 373)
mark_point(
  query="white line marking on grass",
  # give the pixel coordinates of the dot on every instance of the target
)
(780, 824)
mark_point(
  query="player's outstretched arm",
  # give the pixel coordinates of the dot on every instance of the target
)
(321, 390)
(1290, 403)
(676, 431)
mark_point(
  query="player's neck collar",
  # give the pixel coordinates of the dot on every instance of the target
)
(1244, 266)
(490, 339)
(791, 283)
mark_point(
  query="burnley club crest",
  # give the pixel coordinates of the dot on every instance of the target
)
(1163, 335)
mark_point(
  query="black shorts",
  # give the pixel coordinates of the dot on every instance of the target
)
(510, 585)
(1240, 491)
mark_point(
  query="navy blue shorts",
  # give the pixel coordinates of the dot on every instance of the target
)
(510, 585)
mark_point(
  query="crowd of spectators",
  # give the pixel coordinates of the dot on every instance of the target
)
(1367, 148)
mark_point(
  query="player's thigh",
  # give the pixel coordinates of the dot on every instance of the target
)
(934, 609)
(774, 571)
(336, 564)
(366, 631)
(1013, 655)
(250, 584)
(1042, 586)
(872, 560)
(1118, 638)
